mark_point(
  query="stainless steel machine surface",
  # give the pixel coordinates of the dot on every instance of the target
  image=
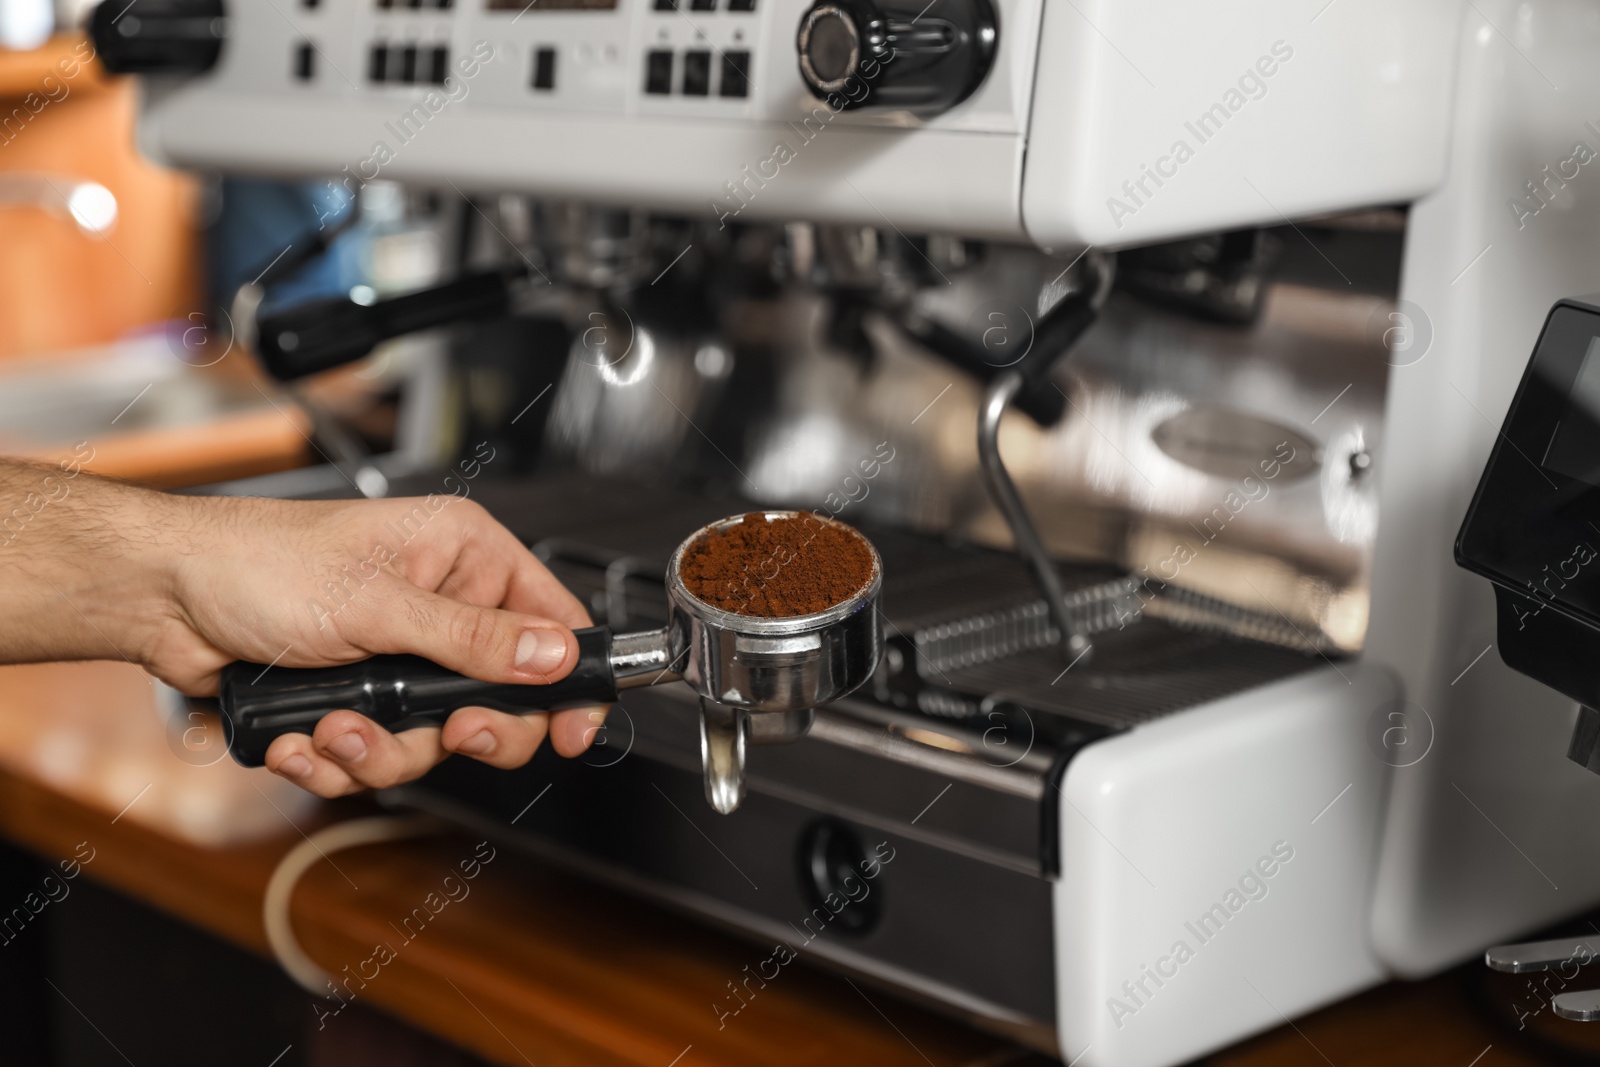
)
(943, 770)
(1202, 478)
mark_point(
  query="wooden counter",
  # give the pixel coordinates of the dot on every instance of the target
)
(531, 966)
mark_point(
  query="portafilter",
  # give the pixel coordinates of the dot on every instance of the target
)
(759, 678)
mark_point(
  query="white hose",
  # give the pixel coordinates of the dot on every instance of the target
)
(276, 905)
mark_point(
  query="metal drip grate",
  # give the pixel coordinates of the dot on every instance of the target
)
(1189, 610)
(984, 632)
(974, 628)
(1133, 675)
(990, 635)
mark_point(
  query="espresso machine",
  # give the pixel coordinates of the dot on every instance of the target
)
(1156, 349)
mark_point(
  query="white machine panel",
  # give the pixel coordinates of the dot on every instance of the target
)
(1216, 869)
(1084, 103)
(1494, 834)
(598, 133)
(1156, 119)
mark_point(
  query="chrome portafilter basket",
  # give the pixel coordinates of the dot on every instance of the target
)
(759, 678)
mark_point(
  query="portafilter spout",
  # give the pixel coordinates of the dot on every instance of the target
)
(759, 678)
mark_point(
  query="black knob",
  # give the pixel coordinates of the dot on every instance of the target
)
(158, 36)
(836, 874)
(906, 54)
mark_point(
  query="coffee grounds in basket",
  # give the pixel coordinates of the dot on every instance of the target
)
(777, 568)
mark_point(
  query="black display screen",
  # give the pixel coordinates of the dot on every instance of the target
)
(1575, 445)
(1534, 524)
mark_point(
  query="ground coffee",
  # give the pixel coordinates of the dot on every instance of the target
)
(777, 568)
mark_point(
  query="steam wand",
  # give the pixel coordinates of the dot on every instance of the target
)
(1053, 339)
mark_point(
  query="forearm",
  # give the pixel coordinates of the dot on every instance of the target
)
(183, 586)
(85, 564)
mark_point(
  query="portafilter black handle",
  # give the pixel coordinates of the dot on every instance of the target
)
(325, 334)
(258, 703)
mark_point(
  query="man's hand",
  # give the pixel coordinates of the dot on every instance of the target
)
(186, 585)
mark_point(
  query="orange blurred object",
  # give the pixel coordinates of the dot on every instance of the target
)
(64, 123)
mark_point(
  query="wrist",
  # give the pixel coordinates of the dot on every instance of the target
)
(146, 542)
(104, 549)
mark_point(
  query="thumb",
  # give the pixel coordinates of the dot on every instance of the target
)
(484, 643)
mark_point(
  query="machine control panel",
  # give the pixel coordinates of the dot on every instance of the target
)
(706, 58)
(999, 119)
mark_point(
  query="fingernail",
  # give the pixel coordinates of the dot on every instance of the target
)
(295, 767)
(348, 748)
(541, 651)
(479, 744)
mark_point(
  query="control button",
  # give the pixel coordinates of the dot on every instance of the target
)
(408, 64)
(697, 73)
(735, 74)
(444, 5)
(834, 864)
(833, 42)
(170, 37)
(385, 4)
(702, 5)
(438, 64)
(415, 5)
(377, 63)
(924, 65)
(741, 5)
(658, 71)
(305, 61)
(544, 68)
(666, 5)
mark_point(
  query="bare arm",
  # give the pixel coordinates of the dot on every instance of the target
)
(182, 586)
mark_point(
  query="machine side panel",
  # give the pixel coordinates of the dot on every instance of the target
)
(1156, 120)
(1496, 833)
(1216, 869)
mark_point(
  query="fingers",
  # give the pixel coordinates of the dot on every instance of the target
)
(492, 566)
(535, 590)
(574, 730)
(494, 737)
(348, 752)
(485, 643)
(292, 757)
